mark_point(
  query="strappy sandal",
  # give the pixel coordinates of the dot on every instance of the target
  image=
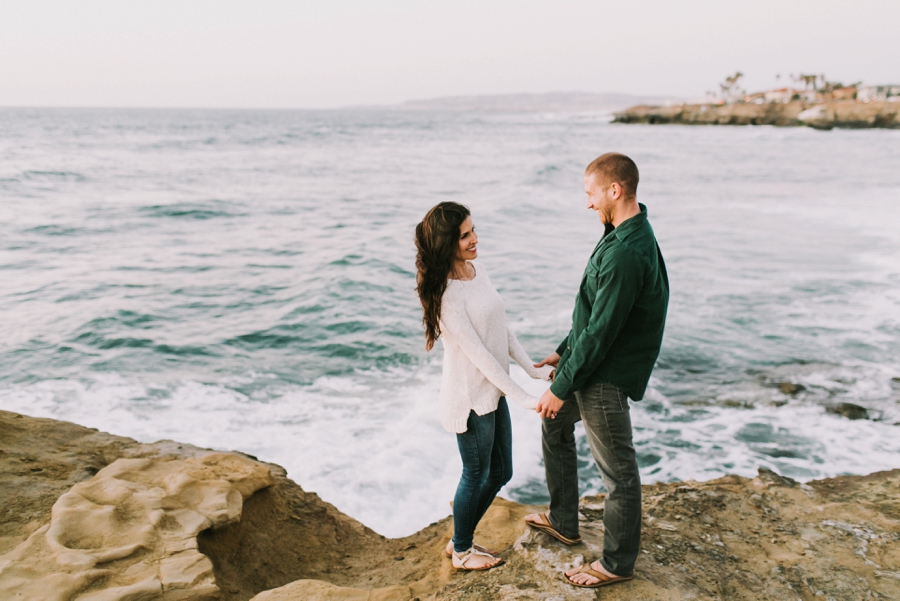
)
(604, 580)
(463, 558)
(545, 526)
(476, 546)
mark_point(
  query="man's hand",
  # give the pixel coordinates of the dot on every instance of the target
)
(550, 404)
(551, 359)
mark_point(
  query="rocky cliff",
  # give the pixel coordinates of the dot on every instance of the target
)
(91, 516)
(846, 114)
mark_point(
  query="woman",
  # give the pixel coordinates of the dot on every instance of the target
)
(462, 307)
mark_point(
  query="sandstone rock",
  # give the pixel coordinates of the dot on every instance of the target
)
(130, 532)
(316, 590)
(820, 116)
(766, 538)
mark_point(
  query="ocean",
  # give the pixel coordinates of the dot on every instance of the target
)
(245, 280)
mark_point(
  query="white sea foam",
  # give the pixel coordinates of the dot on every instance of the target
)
(375, 448)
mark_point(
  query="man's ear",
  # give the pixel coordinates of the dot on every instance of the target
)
(616, 190)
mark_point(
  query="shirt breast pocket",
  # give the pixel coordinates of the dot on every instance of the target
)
(592, 278)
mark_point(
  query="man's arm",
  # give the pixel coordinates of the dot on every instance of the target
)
(620, 280)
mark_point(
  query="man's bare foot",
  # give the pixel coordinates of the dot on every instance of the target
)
(578, 577)
(475, 560)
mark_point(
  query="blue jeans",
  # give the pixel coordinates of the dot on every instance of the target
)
(607, 424)
(486, 451)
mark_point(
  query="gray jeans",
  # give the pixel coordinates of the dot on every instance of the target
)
(607, 422)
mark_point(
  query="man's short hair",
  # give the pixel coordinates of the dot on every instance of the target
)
(614, 167)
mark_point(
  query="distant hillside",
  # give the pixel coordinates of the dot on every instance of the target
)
(551, 101)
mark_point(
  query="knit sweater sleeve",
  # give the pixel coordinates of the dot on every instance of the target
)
(455, 324)
(518, 354)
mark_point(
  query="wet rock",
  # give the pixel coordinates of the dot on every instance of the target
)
(848, 410)
(738, 404)
(790, 388)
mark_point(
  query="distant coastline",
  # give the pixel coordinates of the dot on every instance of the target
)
(546, 102)
(824, 115)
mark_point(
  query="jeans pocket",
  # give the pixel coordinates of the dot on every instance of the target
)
(623, 399)
(613, 399)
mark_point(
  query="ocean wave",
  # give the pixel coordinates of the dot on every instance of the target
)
(197, 211)
(36, 175)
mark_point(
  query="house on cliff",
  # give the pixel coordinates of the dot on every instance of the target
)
(846, 93)
(756, 98)
(890, 93)
(789, 94)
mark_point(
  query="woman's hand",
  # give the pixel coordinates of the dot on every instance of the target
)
(551, 359)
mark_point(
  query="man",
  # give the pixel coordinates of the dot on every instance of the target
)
(607, 358)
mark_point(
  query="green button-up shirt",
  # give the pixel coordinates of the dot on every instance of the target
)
(619, 316)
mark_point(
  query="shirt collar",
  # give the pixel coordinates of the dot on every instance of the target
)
(632, 223)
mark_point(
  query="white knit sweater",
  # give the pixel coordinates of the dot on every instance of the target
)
(477, 348)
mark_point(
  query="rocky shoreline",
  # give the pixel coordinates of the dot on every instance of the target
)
(93, 516)
(829, 115)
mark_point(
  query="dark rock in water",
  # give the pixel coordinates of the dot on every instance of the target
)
(789, 388)
(697, 403)
(737, 404)
(848, 410)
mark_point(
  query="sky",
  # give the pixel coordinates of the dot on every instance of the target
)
(334, 53)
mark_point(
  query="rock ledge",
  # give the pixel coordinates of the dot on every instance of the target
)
(92, 516)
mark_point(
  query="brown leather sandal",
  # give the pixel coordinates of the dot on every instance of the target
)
(464, 557)
(476, 546)
(603, 578)
(545, 526)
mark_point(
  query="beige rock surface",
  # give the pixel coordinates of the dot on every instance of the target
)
(131, 531)
(731, 539)
(316, 590)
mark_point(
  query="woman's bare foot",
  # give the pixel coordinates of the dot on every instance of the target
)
(474, 560)
(578, 577)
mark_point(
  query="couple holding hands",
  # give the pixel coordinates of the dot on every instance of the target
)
(607, 358)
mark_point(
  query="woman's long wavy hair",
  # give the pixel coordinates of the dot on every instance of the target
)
(437, 243)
